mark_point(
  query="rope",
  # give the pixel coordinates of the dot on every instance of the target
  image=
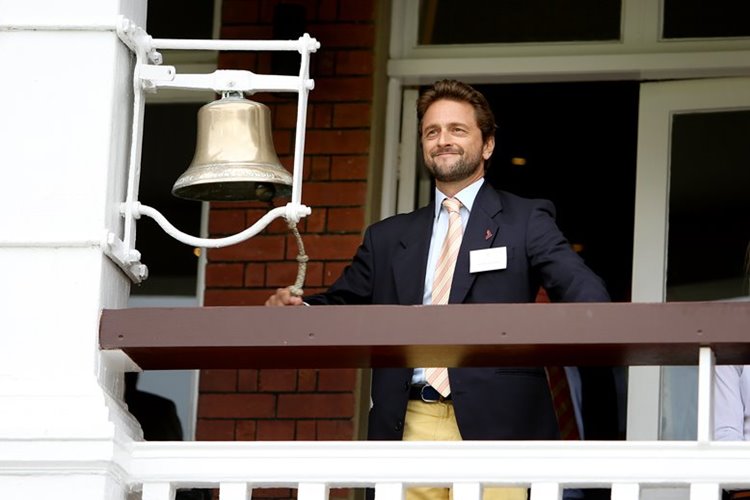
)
(296, 288)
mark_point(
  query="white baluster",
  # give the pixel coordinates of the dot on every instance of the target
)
(467, 491)
(312, 491)
(158, 491)
(705, 394)
(705, 491)
(626, 491)
(389, 491)
(234, 491)
(546, 491)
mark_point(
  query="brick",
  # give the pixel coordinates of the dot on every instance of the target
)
(322, 115)
(316, 221)
(340, 492)
(282, 141)
(278, 493)
(237, 406)
(354, 62)
(332, 194)
(226, 221)
(281, 274)
(224, 275)
(305, 430)
(228, 297)
(332, 271)
(259, 248)
(342, 88)
(275, 430)
(351, 115)
(316, 405)
(277, 380)
(335, 430)
(307, 380)
(232, 59)
(247, 380)
(285, 115)
(218, 381)
(313, 290)
(321, 142)
(327, 10)
(239, 11)
(214, 430)
(247, 32)
(246, 430)
(330, 247)
(345, 219)
(345, 35)
(314, 275)
(255, 275)
(349, 167)
(321, 168)
(337, 380)
(323, 64)
(361, 10)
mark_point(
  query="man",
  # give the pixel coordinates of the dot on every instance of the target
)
(402, 261)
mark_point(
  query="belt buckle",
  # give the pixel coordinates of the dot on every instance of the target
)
(421, 394)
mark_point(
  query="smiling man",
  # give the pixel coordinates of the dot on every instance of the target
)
(473, 244)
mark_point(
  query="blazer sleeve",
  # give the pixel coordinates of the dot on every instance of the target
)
(562, 272)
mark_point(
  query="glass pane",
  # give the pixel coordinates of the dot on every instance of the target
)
(168, 145)
(709, 209)
(704, 19)
(514, 21)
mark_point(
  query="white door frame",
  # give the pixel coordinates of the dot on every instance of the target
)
(659, 102)
(641, 54)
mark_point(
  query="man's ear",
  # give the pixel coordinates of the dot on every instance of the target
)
(488, 148)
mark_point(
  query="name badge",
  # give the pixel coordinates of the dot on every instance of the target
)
(488, 259)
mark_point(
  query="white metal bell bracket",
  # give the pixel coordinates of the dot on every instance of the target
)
(149, 76)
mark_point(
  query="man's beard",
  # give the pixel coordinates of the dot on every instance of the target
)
(463, 168)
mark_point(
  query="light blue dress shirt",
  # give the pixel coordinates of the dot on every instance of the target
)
(439, 229)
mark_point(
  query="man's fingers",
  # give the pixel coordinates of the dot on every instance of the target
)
(283, 297)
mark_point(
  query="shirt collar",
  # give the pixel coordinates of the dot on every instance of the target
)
(466, 196)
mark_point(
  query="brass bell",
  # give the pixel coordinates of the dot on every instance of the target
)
(234, 155)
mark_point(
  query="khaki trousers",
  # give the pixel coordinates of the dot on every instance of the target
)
(437, 422)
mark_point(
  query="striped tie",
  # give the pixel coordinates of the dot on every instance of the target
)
(441, 285)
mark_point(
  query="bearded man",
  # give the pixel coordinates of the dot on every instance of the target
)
(473, 244)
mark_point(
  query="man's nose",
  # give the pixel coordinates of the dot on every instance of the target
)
(444, 138)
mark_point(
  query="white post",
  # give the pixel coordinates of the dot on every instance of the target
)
(64, 131)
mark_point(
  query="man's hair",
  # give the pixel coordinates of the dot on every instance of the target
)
(453, 90)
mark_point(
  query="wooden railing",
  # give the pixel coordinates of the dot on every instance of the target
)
(354, 336)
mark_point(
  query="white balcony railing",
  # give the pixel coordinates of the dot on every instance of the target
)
(689, 332)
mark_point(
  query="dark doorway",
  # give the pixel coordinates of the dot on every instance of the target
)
(574, 144)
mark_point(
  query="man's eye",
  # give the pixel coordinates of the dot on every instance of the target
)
(430, 133)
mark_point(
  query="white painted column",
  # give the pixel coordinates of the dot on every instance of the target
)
(64, 130)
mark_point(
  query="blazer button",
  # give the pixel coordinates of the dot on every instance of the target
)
(407, 386)
(399, 426)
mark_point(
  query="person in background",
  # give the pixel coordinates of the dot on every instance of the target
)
(732, 400)
(472, 244)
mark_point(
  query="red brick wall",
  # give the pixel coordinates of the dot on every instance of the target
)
(295, 404)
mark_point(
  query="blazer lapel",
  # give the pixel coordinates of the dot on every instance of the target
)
(480, 232)
(410, 258)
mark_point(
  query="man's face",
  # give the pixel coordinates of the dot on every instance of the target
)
(452, 142)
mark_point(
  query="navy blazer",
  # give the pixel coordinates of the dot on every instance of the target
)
(389, 268)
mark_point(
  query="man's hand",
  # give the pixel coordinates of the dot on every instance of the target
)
(283, 297)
